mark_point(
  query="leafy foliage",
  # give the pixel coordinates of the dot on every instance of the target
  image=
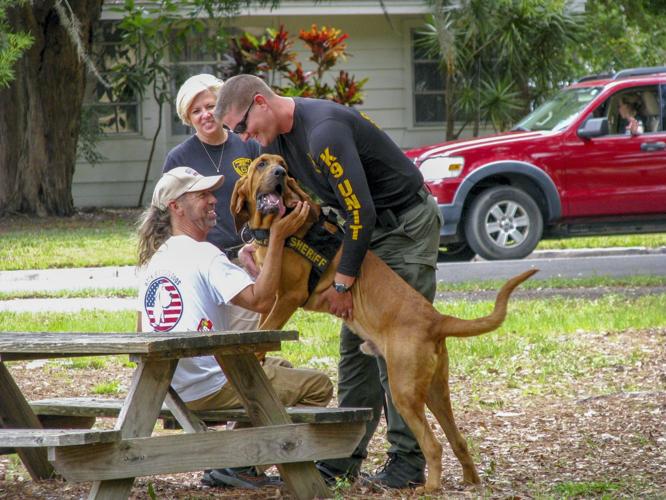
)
(12, 45)
(271, 56)
(499, 58)
(621, 34)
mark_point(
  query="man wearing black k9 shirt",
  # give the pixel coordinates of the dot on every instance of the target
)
(345, 159)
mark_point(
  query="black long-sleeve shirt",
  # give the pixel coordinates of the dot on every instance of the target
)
(344, 158)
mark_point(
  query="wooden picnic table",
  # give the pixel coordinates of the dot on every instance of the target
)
(113, 458)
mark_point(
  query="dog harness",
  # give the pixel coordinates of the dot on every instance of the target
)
(318, 246)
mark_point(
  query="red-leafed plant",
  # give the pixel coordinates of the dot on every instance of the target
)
(327, 46)
(347, 90)
(271, 55)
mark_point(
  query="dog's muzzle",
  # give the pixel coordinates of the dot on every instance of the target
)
(270, 200)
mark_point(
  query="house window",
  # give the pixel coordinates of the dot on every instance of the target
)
(115, 111)
(199, 55)
(428, 85)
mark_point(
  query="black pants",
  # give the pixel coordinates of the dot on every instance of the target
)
(410, 248)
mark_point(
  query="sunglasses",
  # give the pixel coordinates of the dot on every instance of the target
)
(241, 126)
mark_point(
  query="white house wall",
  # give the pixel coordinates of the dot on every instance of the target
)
(379, 52)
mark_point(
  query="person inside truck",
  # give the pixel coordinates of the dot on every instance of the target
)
(628, 109)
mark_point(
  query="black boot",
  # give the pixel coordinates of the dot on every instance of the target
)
(397, 473)
(238, 477)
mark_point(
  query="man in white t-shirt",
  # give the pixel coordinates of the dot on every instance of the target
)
(188, 284)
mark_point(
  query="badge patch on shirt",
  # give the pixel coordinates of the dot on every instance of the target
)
(241, 165)
(163, 304)
(205, 325)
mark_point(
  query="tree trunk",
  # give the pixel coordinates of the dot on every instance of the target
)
(41, 111)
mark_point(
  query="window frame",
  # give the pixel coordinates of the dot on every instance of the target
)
(91, 101)
(414, 94)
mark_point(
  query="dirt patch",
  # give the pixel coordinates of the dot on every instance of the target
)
(592, 434)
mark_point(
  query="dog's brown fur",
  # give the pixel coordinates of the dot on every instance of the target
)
(394, 319)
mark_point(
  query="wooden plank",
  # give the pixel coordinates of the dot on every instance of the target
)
(264, 408)
(233, 349)
(15, 344)
(40, 438)
(107, 407)
(185, 417)
(214, 449)
(66, 422)
(137, 418)
(15, 412)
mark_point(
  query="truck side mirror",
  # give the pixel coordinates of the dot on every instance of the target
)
(593, 127)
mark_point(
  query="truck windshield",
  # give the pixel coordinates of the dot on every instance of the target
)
(558, 112)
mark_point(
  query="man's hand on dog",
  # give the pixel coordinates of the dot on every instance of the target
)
(292, 222)
(339, 304)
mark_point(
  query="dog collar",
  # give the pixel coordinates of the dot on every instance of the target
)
(260, 236)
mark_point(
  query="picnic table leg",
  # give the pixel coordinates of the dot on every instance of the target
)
(264, 408)
(15, 412)
(138, 416)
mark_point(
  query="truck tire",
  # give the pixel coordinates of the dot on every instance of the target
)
(503, 223)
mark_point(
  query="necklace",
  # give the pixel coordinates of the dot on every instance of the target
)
(219, 162)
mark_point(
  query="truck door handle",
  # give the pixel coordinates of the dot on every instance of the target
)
(653, 146)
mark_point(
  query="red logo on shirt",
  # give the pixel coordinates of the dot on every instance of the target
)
(205, 325)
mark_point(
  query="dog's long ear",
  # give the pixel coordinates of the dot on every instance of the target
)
(238, 207)
(294, 193)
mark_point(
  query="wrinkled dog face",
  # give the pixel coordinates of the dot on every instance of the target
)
(265, 192)
(268, 195)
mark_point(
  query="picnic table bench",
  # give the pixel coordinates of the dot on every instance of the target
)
(112, 458)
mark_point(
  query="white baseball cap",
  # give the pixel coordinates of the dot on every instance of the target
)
(191, 88)
(180, 180)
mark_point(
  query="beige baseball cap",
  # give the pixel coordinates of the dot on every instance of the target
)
(191, 88)
(180, 180)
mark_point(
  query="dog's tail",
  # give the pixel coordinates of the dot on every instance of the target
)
(456, 327)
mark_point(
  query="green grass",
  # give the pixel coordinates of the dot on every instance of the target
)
(539, 348)
(534, 283)
(107, 238)
(539, 341)
(85, 321)
(82, 293)
(64, 243)
(107, 388)
(596, 489)
(631, 240)
(470, 286)
(85, 362)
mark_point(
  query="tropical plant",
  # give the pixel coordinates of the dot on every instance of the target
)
(270, 55)
(498, 58)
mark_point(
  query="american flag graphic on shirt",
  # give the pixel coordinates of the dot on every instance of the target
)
(163, 304)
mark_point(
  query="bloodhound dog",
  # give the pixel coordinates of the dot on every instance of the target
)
(395, 321)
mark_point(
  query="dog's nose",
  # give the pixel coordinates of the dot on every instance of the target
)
(279, 172)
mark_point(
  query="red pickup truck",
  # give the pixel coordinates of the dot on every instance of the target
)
(577, 165)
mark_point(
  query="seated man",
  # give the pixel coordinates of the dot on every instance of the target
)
(188, 284)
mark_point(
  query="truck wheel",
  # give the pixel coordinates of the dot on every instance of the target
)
(503, 223)
(455, 252)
